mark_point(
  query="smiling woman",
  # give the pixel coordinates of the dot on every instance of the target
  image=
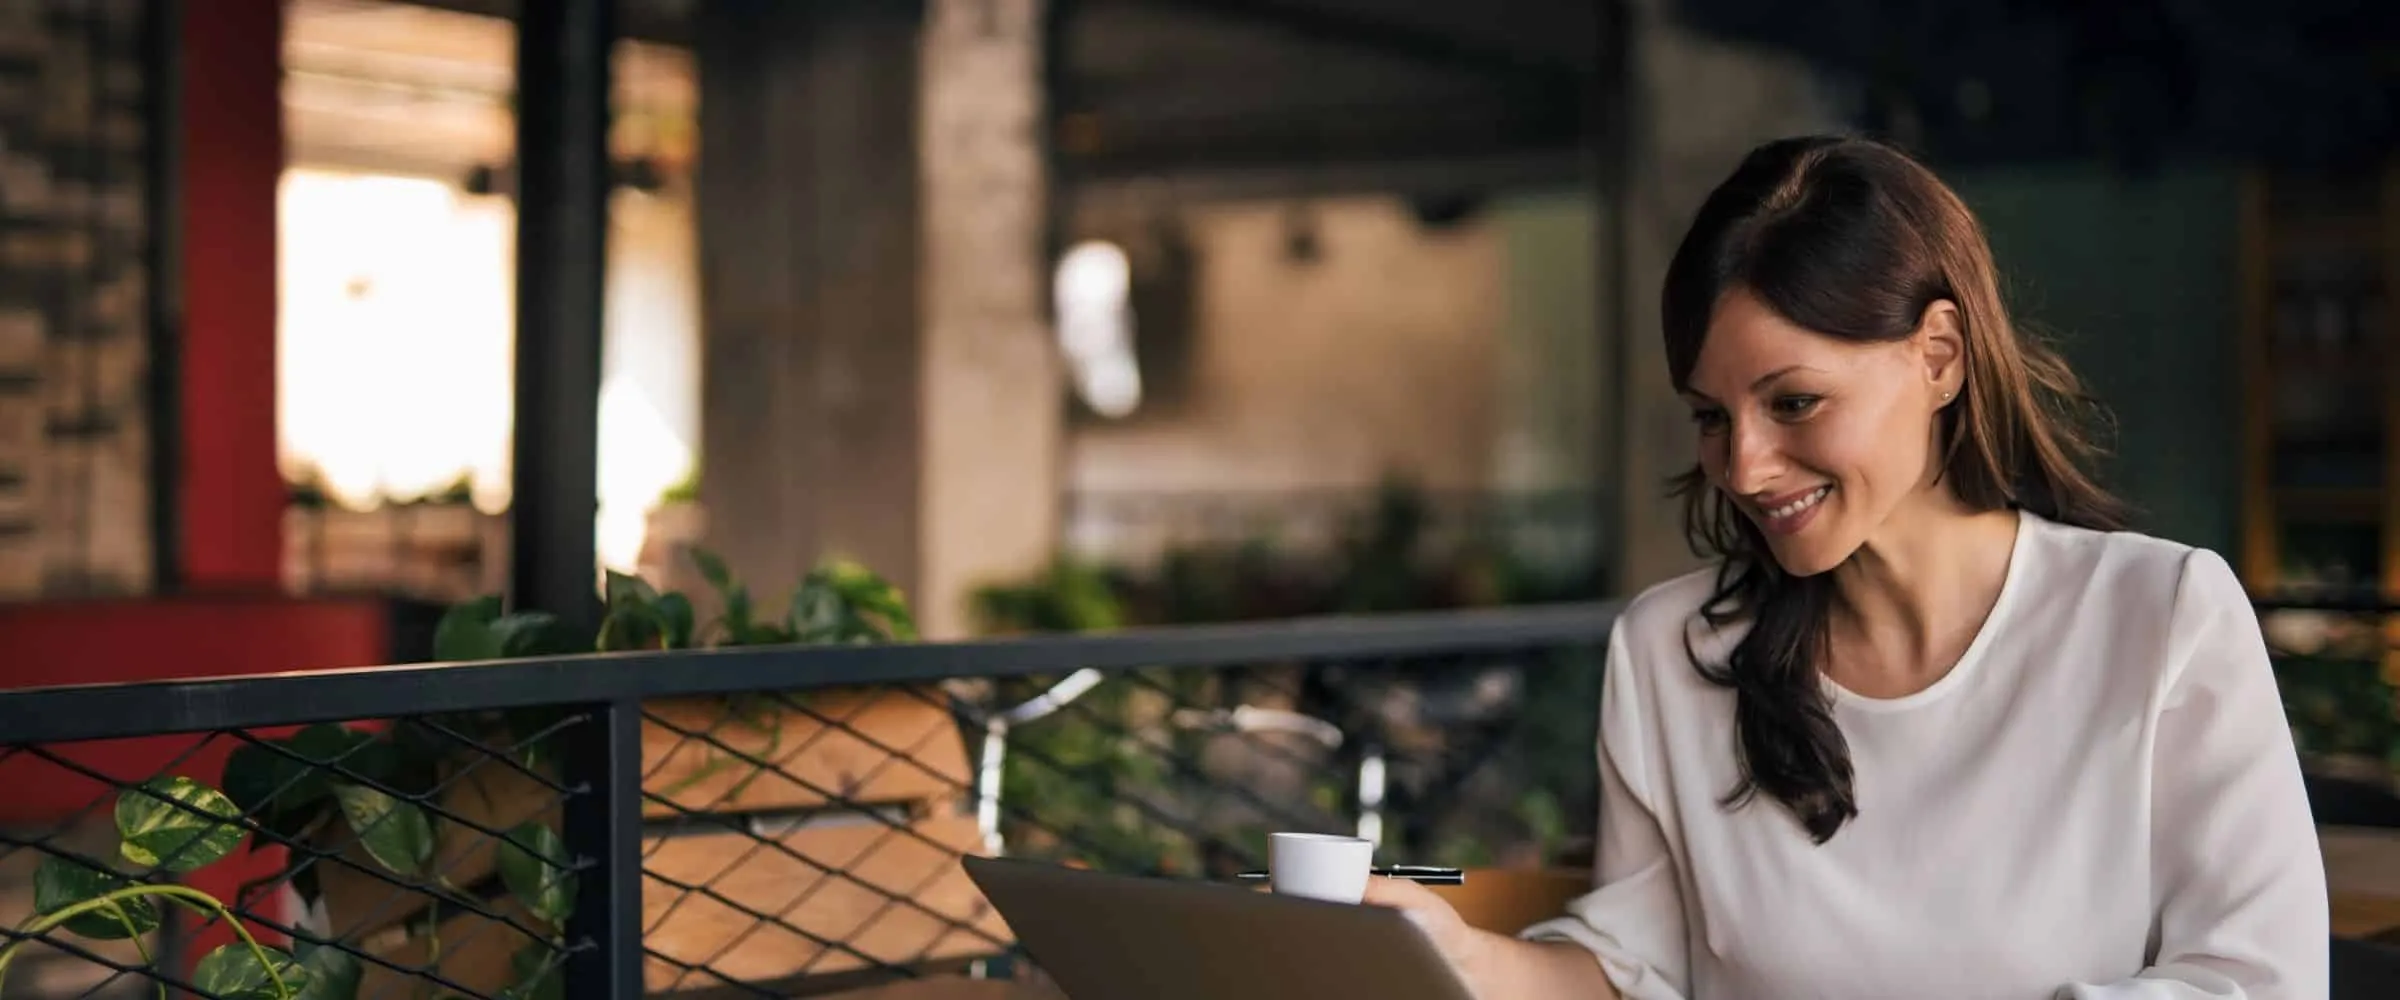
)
(1834, 315)
(1932, 725)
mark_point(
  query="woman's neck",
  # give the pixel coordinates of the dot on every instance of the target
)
(1910, 601)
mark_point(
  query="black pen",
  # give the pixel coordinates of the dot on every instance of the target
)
(1420, 874)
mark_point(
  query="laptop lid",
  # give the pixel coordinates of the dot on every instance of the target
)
(1114, 937)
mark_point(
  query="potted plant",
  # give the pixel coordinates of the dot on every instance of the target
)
(726, 772)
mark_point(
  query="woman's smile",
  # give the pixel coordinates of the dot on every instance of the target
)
(1787, 513)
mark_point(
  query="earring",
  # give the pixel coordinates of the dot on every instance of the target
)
(1945, 395)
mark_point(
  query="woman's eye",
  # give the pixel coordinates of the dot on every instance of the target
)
(1796, 406)
(1709, 421)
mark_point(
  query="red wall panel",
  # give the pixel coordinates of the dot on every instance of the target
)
(230, 497)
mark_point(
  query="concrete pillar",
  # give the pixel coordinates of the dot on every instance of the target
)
(879, 382)
(990, 385)
(1698, 105)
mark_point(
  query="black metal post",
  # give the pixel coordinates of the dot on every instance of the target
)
(562, 184)
(601, 764)
(1611, 108)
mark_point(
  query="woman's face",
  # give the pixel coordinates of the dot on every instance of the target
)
(1821, 442)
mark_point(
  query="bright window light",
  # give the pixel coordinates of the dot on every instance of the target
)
(1093, 286)
(395, 350)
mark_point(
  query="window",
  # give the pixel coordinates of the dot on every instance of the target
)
(1093, 287)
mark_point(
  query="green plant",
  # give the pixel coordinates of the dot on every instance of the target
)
(1390, 555)
(684, 490)
(300, 787)
(377, 784)
(174, 825)
(840, 602)
(458, 492)
(2339, 706)
(1068, 596)
(1071, 773)
(305, 489)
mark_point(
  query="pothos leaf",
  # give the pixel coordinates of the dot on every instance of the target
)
(167, 823)
(625, 589)
(59, 883)
(234, 972)
(712, 569)
(465, 631)
(675, 618)
(396, 833)
(534, 866)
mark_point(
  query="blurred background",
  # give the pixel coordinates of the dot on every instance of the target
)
(319, 317)
(1117, 282)
(1122, 285)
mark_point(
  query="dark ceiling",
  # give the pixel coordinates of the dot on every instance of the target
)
(1152, 88)
(2295, 81)
(1253, 96)
(1371, 92)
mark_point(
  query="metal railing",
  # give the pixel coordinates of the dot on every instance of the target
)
(756, 821)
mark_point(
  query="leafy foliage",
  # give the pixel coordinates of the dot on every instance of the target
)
(1076, 774)
(534, 865)
(1387, 557)
(176, 824)
(379, 784)
(2339, 677)
(171, 826)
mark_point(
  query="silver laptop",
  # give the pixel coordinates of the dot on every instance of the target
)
(1112, 937)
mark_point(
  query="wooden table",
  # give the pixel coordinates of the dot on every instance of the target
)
(2362, 870)
(951, 988)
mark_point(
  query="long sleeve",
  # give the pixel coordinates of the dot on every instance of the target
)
(2236, 874)
(1633, 921)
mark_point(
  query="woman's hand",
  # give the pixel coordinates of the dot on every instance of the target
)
(1460, 944)
(1494, 965)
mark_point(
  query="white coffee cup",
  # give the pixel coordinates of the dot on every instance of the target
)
(1319, 866)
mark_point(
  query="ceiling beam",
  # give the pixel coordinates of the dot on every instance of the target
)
(1183, 182)
(1321, 25)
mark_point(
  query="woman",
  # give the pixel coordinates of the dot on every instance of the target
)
(1933, 727)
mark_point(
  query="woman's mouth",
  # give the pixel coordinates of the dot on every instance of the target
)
(1792, 512)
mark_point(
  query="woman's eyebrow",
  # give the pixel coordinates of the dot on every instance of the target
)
(1760, 383)
(1769, 377)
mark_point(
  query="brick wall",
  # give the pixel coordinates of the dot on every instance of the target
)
(74, 451)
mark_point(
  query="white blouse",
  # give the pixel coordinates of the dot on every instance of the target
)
(2101, 801)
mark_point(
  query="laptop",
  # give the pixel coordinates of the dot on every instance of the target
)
(1114, 937)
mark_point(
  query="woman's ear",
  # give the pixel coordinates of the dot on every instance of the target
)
(1942, 348)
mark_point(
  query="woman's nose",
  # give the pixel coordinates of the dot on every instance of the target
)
(1753, 458)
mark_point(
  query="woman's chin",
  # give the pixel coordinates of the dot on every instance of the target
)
(1799, 557)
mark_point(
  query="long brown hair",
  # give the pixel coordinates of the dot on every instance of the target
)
(1853, 239)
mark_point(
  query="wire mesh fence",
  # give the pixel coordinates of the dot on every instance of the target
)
(793, 830)
(799, 835)
(397, 858)
(1455, 760)
(777, 822)
(821, 829)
